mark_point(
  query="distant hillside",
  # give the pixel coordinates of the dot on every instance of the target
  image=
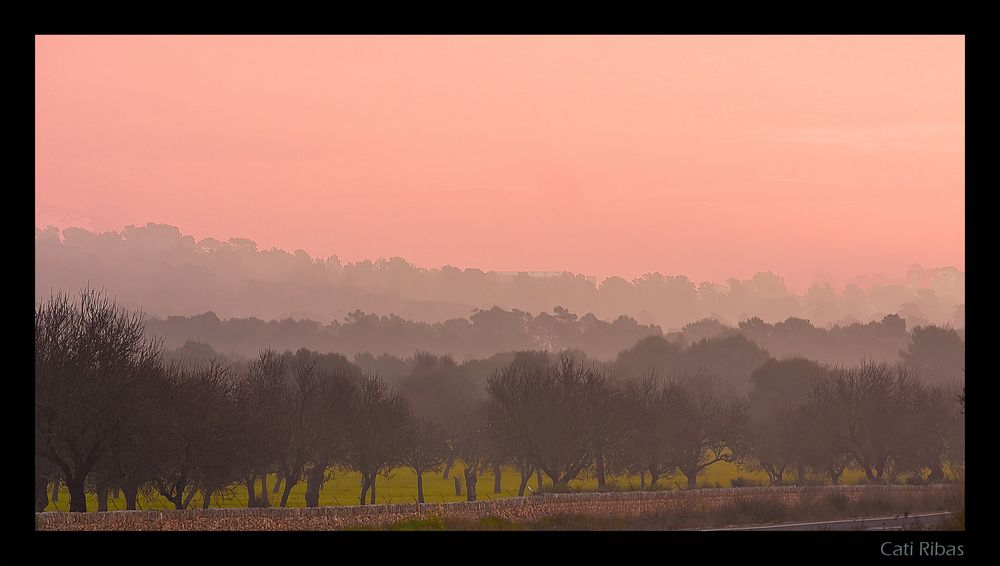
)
(167, 273)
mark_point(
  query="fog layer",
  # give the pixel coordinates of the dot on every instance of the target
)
(165, 273)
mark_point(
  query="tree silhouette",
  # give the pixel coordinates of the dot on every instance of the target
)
(378, 433)
(88, 354)
(550, 413)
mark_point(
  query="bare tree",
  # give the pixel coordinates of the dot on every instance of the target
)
(645, 446)
(330, 417)
(87, 355)
(378, 435)
(300, 415)
(705, 424)
(931, 419)
(193, 449)
(475, 451)
(261, 399)
(549, 413)
(780, 389)
(869, 408)
(823, 447)
(613, 416)
(428, 452)
(440, 390)
(214, 393)
(777, 443)
(127, 464)
(525, 468)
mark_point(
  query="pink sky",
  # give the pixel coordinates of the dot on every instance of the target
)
(706, 156)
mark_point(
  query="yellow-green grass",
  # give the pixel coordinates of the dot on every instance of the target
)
(401, 487)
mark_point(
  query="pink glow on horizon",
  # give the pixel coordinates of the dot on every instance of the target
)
(705, 156)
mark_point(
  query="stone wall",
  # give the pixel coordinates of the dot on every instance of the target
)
(616, 504)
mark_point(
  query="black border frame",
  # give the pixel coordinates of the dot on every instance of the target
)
(979, 23)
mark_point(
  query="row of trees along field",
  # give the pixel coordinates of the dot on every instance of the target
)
(112, 413)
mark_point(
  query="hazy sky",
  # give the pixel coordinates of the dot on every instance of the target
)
(706, 156)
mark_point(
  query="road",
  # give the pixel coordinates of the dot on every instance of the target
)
(919, 521)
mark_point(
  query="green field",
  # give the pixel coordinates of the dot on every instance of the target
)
(401, 487)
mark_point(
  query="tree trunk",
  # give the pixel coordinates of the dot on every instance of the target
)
(364, 487)
(602, 481)
(131, 495)
(206, 495)
(470, 485)
(102, 497)
(458, 486)
(692, 477)
(190, 496)
(55, 489)
(288, 491)
(776, 477)
(420, 486)
(447, 467)
(252, 491)
(653, 476)
(77, 495)
(870, 474)
(263, 491)
(835, 476)
(800, 474)
(277, 483)
(525, 476)
(314, 483)
(130, 489)
(496, 479)
(41, 494)
(175, 494)
(372, 483)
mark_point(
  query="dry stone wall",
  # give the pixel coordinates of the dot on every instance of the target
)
(616, 504)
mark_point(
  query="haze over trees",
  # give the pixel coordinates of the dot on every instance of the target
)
(115, 411)
(489, 333)
(168, 273)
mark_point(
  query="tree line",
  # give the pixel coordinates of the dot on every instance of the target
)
(237, 279)
(112, 414)
(939, 352)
